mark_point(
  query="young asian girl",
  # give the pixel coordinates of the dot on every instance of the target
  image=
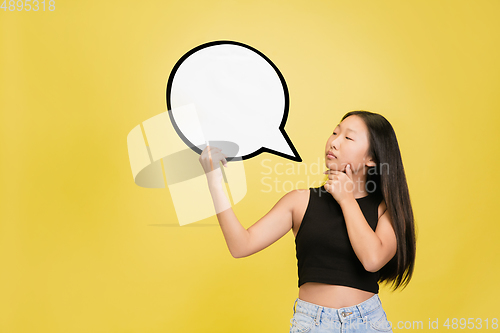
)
(352, 233)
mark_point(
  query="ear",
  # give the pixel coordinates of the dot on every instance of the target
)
(371, 163)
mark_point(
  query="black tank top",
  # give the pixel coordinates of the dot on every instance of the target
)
(324, 252)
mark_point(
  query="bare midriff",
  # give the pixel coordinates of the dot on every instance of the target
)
(332, 296)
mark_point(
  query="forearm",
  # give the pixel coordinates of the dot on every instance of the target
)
(235, 234)
(366, 244)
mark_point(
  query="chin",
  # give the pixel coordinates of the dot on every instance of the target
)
(332, 166)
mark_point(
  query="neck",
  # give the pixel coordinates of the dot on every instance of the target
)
(359, 181)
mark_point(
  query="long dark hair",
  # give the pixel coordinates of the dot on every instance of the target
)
(389, 177)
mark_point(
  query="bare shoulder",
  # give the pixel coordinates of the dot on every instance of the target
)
(295, 198)
(298, 199)
(382, 208)
(385, 232)
(384, 220)
(298, 194)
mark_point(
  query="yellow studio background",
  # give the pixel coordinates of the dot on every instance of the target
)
(84, 249)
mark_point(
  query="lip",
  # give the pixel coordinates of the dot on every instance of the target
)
(330, 155)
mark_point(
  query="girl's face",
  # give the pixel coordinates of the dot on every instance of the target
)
(349, 144)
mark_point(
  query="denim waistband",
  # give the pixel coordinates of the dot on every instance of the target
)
(343, 314)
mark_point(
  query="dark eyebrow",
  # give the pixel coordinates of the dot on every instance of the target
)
(348, 129)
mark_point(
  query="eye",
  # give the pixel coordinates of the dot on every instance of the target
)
(348, 138)
(334, 133)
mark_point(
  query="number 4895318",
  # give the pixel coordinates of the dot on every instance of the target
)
(27, 5)
(471, 323)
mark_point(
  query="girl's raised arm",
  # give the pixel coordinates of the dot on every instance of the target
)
(243, 242)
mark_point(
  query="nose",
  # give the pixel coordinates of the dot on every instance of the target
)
(334, 144)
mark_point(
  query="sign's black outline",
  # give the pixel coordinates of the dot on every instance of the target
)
(295, 158)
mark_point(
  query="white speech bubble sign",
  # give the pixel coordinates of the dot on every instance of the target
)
(239, 95)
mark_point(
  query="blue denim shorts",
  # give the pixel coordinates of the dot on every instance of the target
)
(368, 316)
